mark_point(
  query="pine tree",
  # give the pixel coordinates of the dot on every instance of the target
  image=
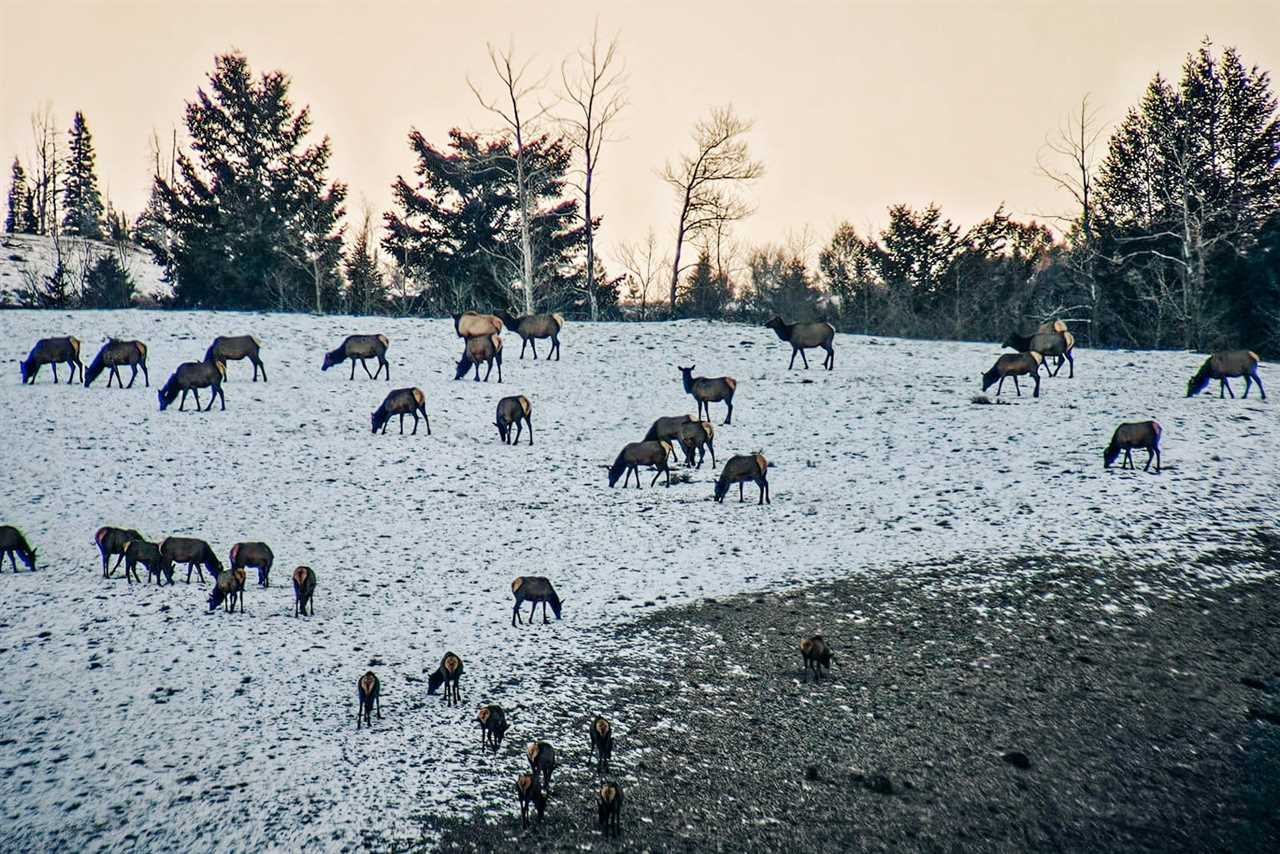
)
(83, 209)
(366, 289)
(705, 292)
(108, 284)
(18, 218)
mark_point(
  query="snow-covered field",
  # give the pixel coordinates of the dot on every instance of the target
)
(131, 715)
(24, 257)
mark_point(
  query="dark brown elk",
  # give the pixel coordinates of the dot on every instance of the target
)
(739, 470)
(235, 347)
(227, 590)
(1229, 363)
(709, 390)
(191, 377)
(493, 725)
(115, 354)
(471, 324)
(360, 348)
(1048, 345)
(601, 742)
(609, 802)
(52, 351)
(529, 792)
(1137, 434)
(480, 348)
(697, 436)
(369, 693)
(667, 429)
(534, 589)
(636, 454)
(448, 674)
(111, 541)
(515, 410)
(256, 555)
(542, 760)
(1014, 365)
(304, 591)
(531, 327)
(402, 402)
(14, 545)
(196, 554)
(148, 554)
(805, 336)
(817, 655)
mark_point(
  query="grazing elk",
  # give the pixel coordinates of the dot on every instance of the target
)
(1055, 325)
(196, 554)
(697, 436)
(637, 454)
(112, 356)
(1137, 434)
(480, 348)
(805, 336)
(542, 760)
(227, 589)
(709, 390)
(402, 402)
(369, 693)
(148, 554)
(531, 327)
(817, 655)
(304, 589)
(1014, 365)
(493, 725)
(1047, 344)
(471, 324)
(534, 589)
(448, 674)
(529, 792)
(1229, 363)
(609, 801)
(256, 555)
(52, 351)
(235, 347)
(514, 410)
(191, 377)
(667, 429)
(111, 541)
(740, 469)
(601, 742)
(360, 348)
(12, 544)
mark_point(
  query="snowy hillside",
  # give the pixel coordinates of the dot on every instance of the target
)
(131, 714)
(26, 255)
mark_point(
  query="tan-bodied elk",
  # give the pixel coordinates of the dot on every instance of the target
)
(709, 390)
(402, 402)
(515, 410)
(817, 656)
(697, 437)
(534, 589)
(480, 348)
(304, 591)
(636, 454)
(227, 590)
(448, 674)
(195, 553)
(1229, 363)
(531, 327)
(1142, 435)
(254, 554)
(111, 541)
(369, 694)
(232, 348)
(14, 546)
(740, 469)
(806, 336)
(360, 348)
(471, 324)
(1048, 344)
(52, 352)
(191, 377)
(114, 355)
(1014, 365)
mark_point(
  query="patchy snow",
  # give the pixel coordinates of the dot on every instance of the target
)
(23, 256)
(129, 712)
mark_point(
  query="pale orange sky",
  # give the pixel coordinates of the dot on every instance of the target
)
(857, 105)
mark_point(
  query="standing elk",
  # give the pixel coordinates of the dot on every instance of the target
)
(816, 655)
(12, 544)
(515, 410)
(480, 348)
(609, 803)
(235, 347)
(636, 454)
(1229, 363)
(256, 555)
(534, 589)
(740, 469)
(1047, 344)
(360, 348)
(709, 390)
(196, 554)
(112, 356)
(448, 674)
(369, 693)
(805, 336)
(667, 429)
(601, 742)
(697, 436)
(1014, 365)
(304, 589)
(1137, 434)
(493, 725)
(148, 554)
(542, 760)
(111, 541)
(402, 402)
(531, 327)
(191, 377)
(52, 351)
(529, 792)
(470, 324)
(227, 590)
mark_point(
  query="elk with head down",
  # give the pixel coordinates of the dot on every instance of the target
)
(667, 429)
(530, 793)
(515, 410)
(111, 541)
(14, 545)
(532, 327)
(709, 390)
(1229, 363)
(448, 674)
(601, 742)
(196, 554)
(1138, 434)
(402, 402)
(1047, 344)
(534, 589)
(636, 454)
(256, 555)
(805, 336)
(609, 804)
(227, 590)
(52, 351)
(369, 693)
(740, 469)
(697, 436)
(227, 348)
(148, 554)
(115, 354)
(304, 590)
(493, 725)
(191, 377)
(480, 348)
(360, 348)
(817, 655)
(1014, 365)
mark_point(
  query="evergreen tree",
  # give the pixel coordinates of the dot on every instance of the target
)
(19, 219)
(705, 292)
(249, 221)
(108, 284)
(82, 203)
(366, 291)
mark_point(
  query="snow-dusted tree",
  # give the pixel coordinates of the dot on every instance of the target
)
(82, 209)
(18, 220)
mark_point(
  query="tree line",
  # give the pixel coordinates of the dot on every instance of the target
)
(1174, 242)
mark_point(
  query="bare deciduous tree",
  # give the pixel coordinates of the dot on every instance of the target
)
(643, 262)
(47, 163)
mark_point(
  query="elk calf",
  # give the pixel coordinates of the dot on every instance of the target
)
(52, 351)
(1014, 365)
(148, 554)
(529, 792)
(817, 655)
(12, 544)
(542, 760)
(697, 436)
(111, 541)
(191, 377)
(235, 347)
(804, 336)
(256, 555)
(534, 589)
(709, 390)
(739, 470)
(514, 410)
(369, 693)
(493, 725)
(601, 742)
(1138, 434)
(402, 402)
(1229, 363)
(304, 588)
(480, 348)
(360, 348)
(227, 590)
(609, 802)
(636, 454)
(112, 356)
(196, 554)
(448, 674)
